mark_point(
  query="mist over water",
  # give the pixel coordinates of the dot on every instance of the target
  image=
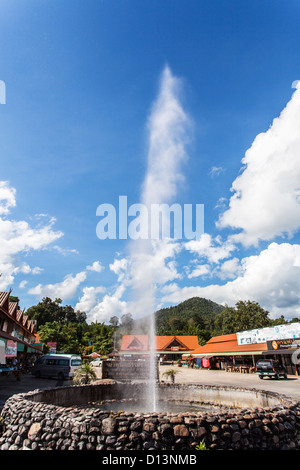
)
(168, 127)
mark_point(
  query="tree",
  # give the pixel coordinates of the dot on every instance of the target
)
(49, 310)
(177, 325)
(245, 316)
(126, 323)
(99, 336)
(171, 373)
(84, 375)
(114, 321)
(65, 335)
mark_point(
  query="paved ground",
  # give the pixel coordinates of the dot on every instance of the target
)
(9, 385)
(290, 387)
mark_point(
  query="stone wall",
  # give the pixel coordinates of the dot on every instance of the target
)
(32, 424)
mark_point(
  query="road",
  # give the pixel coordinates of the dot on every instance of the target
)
(289, 387)
(9, 385)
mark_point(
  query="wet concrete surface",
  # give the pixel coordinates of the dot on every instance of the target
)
(289, 387)
(10, 385)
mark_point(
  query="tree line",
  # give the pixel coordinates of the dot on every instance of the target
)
(201, 317)
(69, 328)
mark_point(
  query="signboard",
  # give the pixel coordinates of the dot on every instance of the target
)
(2, 351)
(127, 370)
(52, 347)
(11, 348)
(278, 344)
(262, 335)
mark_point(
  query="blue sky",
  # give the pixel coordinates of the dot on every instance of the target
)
(81, 80)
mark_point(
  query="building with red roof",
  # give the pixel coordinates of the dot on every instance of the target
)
(17, 331)
(173, 347)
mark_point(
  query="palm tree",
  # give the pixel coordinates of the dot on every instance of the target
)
(170, 373)
(85, 375)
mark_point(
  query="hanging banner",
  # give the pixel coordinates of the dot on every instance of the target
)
(2, 351)
(52, 348)
(11, 348)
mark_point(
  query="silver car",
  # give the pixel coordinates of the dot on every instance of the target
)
(61, 366)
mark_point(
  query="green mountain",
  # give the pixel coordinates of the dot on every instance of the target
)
(193, 316)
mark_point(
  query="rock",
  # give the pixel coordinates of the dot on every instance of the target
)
(181, 431)
(236, 436)
(39, 426)
(108, 426)
(215, 429)
(34, 431)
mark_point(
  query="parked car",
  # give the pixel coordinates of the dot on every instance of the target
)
(62, 366)
(270, 368)
(96, 362)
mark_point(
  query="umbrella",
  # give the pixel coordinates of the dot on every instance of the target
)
(114, 354)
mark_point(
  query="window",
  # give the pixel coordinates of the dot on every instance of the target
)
(62, 362)
(76, 362)
(50, 362)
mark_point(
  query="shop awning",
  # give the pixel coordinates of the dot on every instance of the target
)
(230, 353)
(275, 352)
(30, 346)
(227, 345)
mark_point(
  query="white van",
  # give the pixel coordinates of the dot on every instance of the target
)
(62, 366)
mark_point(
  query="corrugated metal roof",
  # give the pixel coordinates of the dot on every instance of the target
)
(3, 297)
(228, 344)
(12, 311)
(12, 308)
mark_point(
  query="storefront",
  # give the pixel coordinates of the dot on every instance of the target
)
(169, 349)
(14, 352)
(224, 353)
(241, 351)
(287, 352)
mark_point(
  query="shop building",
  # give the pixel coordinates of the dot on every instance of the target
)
(224, 353)
(17, 333)
(241, 351)
(168, 348)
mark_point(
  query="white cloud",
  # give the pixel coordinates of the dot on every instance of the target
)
(89, 299)
(18, 238)
(266, 200)
(37, 270)
(211, 249)
(216, 171)
(119, 267)
(221, 204)
(96, 266)
(65, 251)
(200, 270)
(64, 290)
(7, 197)
(109, 306)
(23, 284)
(229, 269)
(271, 278)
